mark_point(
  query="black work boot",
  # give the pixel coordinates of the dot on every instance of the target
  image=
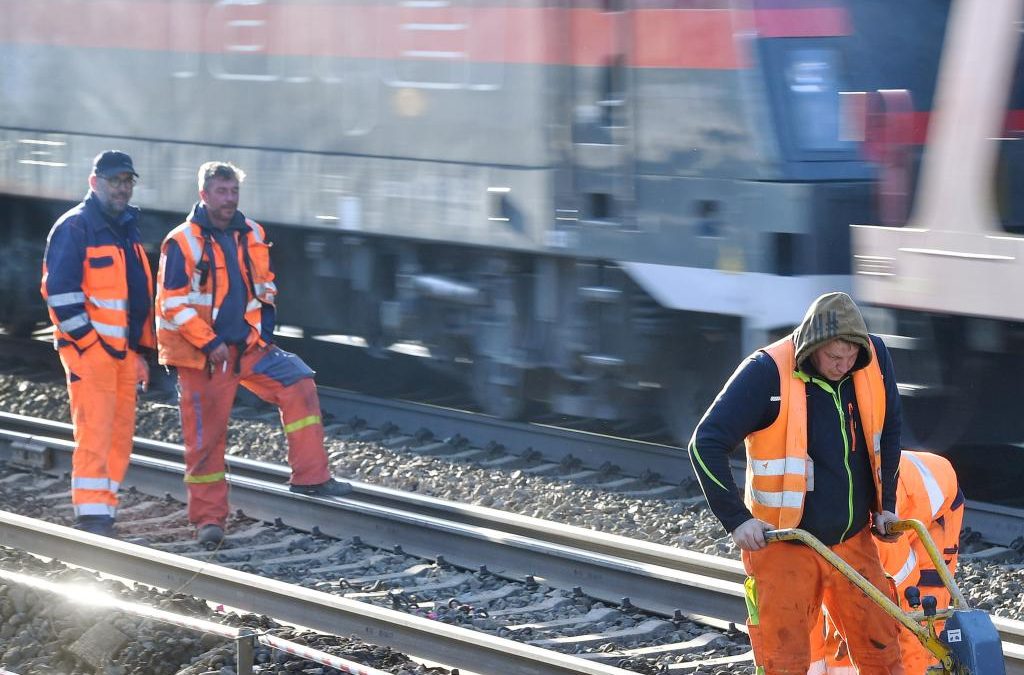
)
(101, 525)
(210, 535)
(329, 488)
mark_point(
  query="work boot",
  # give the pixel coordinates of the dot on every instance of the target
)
(210, 535)
(101, 525)
(329, 488)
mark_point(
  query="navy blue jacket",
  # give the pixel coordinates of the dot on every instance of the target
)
(843, 494)
(86, 225)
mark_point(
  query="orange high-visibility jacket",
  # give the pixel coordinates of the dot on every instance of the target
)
(185, 316)
(927, 491)
(97, 308)
(777, 465)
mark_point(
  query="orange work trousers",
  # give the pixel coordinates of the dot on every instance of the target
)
(829, 654)
(101, 390)
(787, 584)
(206, 401)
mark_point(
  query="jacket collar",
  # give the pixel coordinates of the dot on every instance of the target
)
(200, 217)
(94, 216)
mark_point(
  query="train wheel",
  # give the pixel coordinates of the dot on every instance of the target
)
(499, 388)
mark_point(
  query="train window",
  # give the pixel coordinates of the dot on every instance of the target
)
(812, 82)
(613, 92)
(805, 77)
(1009, 197)
(600, 206)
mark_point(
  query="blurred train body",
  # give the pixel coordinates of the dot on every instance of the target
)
(601, 206)
(946, 284)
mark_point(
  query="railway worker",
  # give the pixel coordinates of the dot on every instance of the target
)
(820, 416)
(215, 320)
(98, 288)
(927, 491)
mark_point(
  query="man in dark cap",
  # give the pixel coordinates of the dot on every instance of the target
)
(98, 288)
(819, 414)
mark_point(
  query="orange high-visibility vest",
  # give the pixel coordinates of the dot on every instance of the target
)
(777, 465)
(927, 491)
(105, 296)
(185, 316)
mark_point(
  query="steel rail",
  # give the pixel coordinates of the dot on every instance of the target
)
(656, 578)
(470, 650)
(998, 524)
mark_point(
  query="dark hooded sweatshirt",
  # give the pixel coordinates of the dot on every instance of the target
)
(840, 502)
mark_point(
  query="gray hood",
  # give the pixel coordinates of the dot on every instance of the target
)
(831, 316)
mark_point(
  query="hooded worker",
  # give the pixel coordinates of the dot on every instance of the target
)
(819, 415)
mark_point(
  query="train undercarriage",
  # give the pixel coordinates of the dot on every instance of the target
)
(578, 337)
(563, 335)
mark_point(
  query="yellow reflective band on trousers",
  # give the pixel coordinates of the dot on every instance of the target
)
(205, 478)
(750, 595)
(302, 424)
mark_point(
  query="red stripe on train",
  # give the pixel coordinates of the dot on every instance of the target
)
(651, 38)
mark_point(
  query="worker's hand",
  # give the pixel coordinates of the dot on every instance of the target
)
(219, 355)
(750, 535)
(141, 371)
(880, 521)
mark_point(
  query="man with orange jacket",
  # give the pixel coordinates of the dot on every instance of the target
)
(215, 322)
(819, 414)
(98, 289)
(927, 491)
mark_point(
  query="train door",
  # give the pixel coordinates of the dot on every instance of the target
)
(601, 112)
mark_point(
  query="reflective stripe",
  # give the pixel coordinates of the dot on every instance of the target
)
(115, 487)
(163, 324)
(90, 483)
(268, 287)
(205, 478)
(216, 313)
(63, 299)
(935, 495)
(817, 668)
(788, 499)
(194, 298)
(110, 331)
(255, 231)
(302, 424)
(74, 322)
(908, 568)
(750, 598)
(778, 467)
(121, 305)
(194, 243)
(175, 301)
(253, 304)
(842, 670)
(95, 510)
(184, 316)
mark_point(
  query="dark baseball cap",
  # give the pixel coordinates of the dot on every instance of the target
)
(112, 163)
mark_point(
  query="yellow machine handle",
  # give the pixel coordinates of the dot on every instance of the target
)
(927, 638)
(957, 597)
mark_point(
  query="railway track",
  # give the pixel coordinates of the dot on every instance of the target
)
(474, 540)
(663, 580)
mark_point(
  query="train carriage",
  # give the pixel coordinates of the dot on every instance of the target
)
(597, 205)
